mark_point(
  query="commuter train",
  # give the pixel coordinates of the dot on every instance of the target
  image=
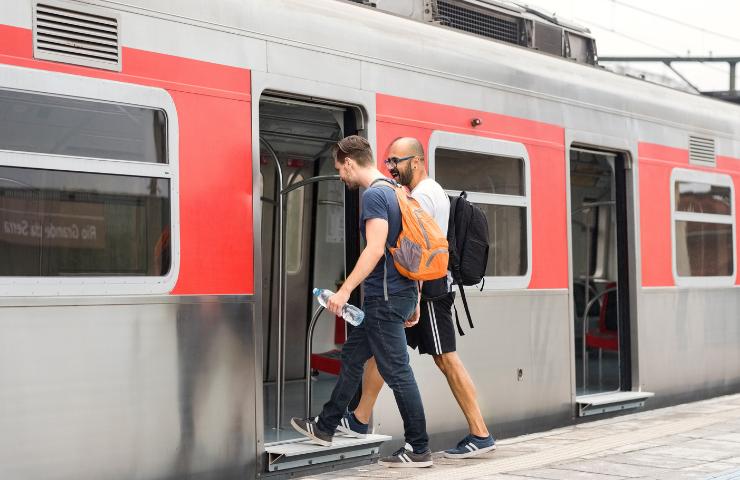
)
(165, 169)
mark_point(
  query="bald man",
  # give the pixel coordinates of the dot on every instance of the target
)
(431, 328)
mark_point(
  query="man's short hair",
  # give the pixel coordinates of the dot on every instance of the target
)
(356, 147)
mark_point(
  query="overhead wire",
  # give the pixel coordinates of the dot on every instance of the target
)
(643, 42)
(675, 20)
(648, 44)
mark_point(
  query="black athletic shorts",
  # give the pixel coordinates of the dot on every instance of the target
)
(435, 332)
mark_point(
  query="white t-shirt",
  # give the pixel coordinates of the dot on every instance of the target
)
(434, 201)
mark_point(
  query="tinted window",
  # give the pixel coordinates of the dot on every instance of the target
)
(507, 232)
(704, 249)
(507, 225)
(703, 198)
(477, 172)
(58, 223)
(31, 122)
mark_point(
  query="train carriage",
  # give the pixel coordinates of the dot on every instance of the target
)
(168, 200)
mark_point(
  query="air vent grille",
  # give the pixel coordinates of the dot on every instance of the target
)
(702, 151)
(548, 38)
(79, 35)
(480, 23)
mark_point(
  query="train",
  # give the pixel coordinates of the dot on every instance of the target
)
(168, 201)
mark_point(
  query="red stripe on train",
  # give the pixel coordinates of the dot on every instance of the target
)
(656, 163)
(545, 146)
(214, 112)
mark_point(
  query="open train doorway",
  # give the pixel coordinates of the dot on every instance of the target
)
(309, 238)
(600, 282)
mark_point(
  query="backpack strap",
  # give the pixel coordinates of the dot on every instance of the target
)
(383, 179)
(385, 274)
(465, 304)
(457, 321)
(392, 184)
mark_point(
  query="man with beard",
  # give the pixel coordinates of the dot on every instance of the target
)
(434, 333)
(389, 301)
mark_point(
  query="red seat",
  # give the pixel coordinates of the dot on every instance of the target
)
(604, 338)
(330, 362)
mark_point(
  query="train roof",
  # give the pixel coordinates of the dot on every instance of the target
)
(461, 65)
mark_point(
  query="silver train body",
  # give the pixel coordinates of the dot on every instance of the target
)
(101, 384)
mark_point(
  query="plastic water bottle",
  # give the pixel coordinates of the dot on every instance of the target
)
(350, 313)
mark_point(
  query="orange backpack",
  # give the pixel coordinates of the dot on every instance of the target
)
(421, 250)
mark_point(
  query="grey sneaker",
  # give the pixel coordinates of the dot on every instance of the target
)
(308, 427)
(406, 458)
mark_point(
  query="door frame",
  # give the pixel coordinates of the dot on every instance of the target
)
(312, 92)
(626, 148)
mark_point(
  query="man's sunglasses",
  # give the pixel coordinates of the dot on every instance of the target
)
(394, 161)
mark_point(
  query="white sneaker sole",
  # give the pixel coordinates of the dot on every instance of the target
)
(350, 433)
(406, 464)
(310, 436)
(474, 453)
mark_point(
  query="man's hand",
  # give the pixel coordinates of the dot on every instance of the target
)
(414, 318)
(337, 301)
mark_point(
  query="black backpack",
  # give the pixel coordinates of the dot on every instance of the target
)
(467, 235)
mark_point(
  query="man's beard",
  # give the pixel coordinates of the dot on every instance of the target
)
(403, 177)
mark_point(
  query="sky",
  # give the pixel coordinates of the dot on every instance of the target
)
(633, 27)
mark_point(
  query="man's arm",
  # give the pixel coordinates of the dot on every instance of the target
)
(376, 234)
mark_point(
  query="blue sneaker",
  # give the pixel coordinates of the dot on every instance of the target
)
(349, 425)
(471, 446)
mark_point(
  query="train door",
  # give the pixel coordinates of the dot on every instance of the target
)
(600, 276)
(310, 238)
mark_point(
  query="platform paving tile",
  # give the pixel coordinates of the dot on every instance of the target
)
(506, 476)
(727, 446)
(712, 468)
(704, 470)
(561, 474)
(727, 437)
(643, 458)
(610, 468)
(684, 452)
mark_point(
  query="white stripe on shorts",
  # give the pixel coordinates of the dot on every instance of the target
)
(435, 330)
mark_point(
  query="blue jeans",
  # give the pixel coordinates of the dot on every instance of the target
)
(381, 335)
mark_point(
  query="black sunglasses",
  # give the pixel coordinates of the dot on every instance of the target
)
(394, 161)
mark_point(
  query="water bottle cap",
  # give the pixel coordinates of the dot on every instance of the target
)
(316, 292)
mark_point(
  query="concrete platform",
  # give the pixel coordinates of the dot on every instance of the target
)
(692, 441)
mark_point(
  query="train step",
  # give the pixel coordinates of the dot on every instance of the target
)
(610, 402)
(302, 453)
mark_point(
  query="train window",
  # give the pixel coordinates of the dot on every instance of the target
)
(57, 223)
(478, 172)
(495, 175)
(88, 186)
(50, 124)
(703, 229)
